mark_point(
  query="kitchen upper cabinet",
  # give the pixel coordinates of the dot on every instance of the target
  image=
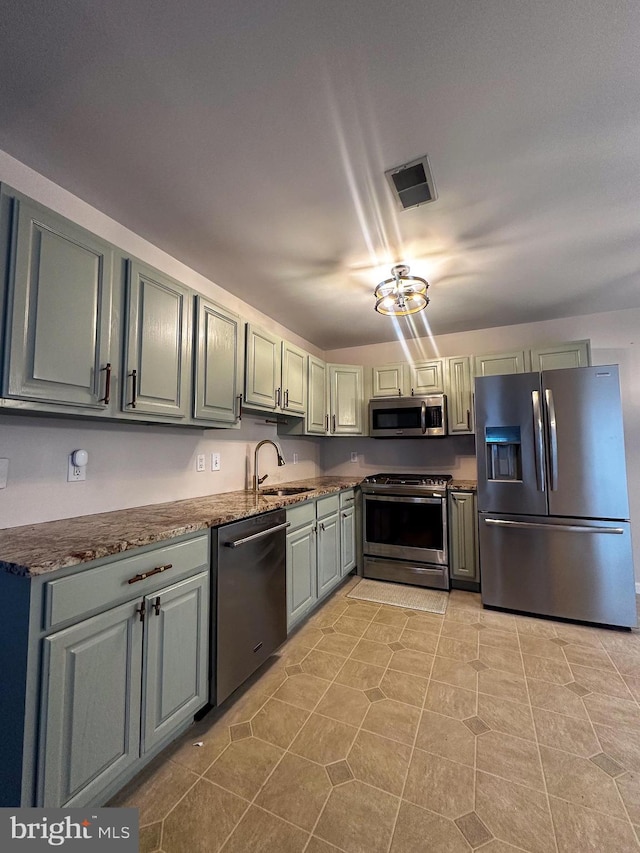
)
(558, 356)
(389, 380)
(157, 373)
(219, 374)
(275, 373)
(463, 536)
(426, 377)
(459, 395)
(317, 417)
(59, 343)
(501, 363)
(346, 401)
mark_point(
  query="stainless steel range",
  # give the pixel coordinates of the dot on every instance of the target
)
(405, 528)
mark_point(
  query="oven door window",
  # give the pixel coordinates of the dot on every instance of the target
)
(400, 523)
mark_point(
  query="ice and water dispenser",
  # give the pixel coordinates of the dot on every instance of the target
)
(503, 448)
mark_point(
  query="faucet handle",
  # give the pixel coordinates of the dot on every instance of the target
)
(262, 479)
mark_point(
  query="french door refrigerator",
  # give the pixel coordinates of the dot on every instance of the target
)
(553, 509)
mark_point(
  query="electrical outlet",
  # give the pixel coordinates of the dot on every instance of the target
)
(295, 458)
(215, 461)
(76, 473)
(354, 456)
(200, 462)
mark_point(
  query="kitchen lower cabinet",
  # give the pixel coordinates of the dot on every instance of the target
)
(463, 537)
(347, 532)
(328, 546)
(301, 571)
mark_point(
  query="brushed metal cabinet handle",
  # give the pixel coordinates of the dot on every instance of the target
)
(134, 388)
(107, 384)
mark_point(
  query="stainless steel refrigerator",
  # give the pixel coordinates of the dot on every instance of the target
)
(555, 537)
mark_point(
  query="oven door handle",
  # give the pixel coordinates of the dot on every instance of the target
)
(405, 499)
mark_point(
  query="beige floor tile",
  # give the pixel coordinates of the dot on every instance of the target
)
(156, 790)
(541, 647)
(214, 738)
(503, 685)
(278, 722)
(412, 662)
(308, 635)
(337, 644)
(325, 617)
(244, 765)
(620, 641)
(580, 781)
(322, 664)
(623, 745)
(317, 845)
(457, 649)
(580, 829)
(351, 627)
(502, 659)
(361, 610)
(579, 635)
(568, 733)
(587, 656)
(149, 837)
(633, 684)
(535, 627)
(403, 687)
(460, 631)
(429, 623)
(515, 814)
(394, 720)
(464, 599)
(456, 673)
(499, 639)
(261, 832)
(462, 616)
(415, 825)
(323, 739)
(202, 820)
(391, 616)
(446, 737)
(303, 691)
(497, 620)
(420, 641)
(379, 761)
(501, 715)
(601, 681)
(440, 785)
(383, 633)
(344, 704)
(555, 697)
(369, 651)
(627, 663)
(511, 758)
(296, 791)
(452, 701)
(555, 671)
(497, 846)
(611, 711)
(361, 676)
(629, 787)
(358, 818)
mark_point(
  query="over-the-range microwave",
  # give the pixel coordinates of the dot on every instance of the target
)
(408, 417)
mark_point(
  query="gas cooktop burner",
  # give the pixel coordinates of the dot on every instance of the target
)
(408, 479)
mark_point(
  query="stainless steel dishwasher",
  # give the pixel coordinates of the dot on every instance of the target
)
(251, 610)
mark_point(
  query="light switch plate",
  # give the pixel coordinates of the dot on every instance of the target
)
(354, 456)
(4, 473)
(295, 458)
(215, 461)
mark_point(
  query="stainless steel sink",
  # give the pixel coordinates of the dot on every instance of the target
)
(292, 490)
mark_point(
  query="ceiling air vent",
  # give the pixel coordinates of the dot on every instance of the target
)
(412, 183)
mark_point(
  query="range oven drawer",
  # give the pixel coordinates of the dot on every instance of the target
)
(434, 577)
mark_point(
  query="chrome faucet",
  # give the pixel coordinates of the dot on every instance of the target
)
(256, 479)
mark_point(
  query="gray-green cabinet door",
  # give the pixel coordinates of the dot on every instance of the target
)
(459, 395)
(294, 379)
(347, 540)
(427, 377)
(388, 380)
(157, 376)
(328, 553)
(497, 364)
(176, 657)
(345, 399)
(463, 536)
(317, 417)
(90, 725)
(60, 312)
(301, 572)
(263, 369)
(558, 356)
(219, 363)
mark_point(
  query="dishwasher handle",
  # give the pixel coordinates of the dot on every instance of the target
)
(237, 542)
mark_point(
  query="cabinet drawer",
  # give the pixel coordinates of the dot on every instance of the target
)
(328, 505)
(347, 498)
(303, 514)
(95, 589)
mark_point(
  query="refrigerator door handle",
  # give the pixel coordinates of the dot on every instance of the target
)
(566, 528)
(553, 440)
(539, 445)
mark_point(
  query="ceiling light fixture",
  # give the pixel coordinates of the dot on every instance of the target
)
(401, 295)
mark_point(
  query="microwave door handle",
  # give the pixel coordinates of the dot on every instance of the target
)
(539, 440)
(553, 440)
(423, 417)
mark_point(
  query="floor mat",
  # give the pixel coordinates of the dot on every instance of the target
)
(401, 595)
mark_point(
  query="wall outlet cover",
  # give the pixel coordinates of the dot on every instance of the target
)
(295, 458)
(200, 462)
(354, 456)
(75, 473)
(215, 461)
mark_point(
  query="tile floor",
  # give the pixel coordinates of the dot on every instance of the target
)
(383, 730)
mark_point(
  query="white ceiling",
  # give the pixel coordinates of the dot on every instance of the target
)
(249, 140)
